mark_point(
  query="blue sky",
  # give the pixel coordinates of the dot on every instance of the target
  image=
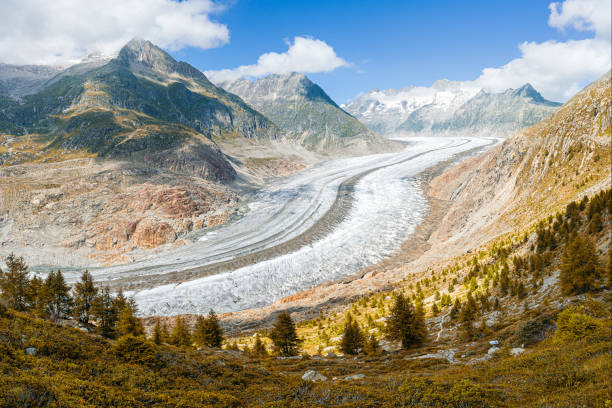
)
(391, 44)
(348, 47)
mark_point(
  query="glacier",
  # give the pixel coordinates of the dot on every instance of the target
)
(388, 205)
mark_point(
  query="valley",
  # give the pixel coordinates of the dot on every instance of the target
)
(320, 225)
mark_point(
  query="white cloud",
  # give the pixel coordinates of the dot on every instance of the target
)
(559, 69)
(62, 31)
(307, 55)
(584, 15)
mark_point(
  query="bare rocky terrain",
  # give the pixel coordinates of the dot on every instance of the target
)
(502, 192)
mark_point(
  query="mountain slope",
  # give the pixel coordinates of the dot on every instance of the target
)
(143, 104)
(301, 107)
(533, 173)
(452, 108)
(383, 111)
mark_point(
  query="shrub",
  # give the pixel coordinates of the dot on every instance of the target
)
(135, 350)
(574, 325)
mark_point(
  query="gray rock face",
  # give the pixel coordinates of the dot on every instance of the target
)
(450, 108)
(354, 377)
(141, 105)
(30, 351)
(302, 108)
(314, 376)
(19, 80)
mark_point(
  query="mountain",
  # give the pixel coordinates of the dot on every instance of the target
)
(301, 107)
(532, 174)
(450, 107)
(113, 157)
(142, 104)
(19, 80)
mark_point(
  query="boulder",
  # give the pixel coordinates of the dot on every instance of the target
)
(494, 318)
(30, 351)
(312, 375)
(493, 350)
(517, 350)
(354, 377)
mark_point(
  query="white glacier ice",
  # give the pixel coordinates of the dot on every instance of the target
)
(388, 204)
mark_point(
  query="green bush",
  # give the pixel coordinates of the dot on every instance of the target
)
(574, 325)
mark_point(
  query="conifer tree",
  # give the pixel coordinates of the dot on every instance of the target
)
(352, 338)
(259, 348)
(157, 333)
(56, 296)
(14, 283)
(580, 268)
(181, 335)
(35, 297)
(284, 335)
(207, 331)
(85, 293)
(406, 323)
(371, 347)
(128, 323)
(105, 312)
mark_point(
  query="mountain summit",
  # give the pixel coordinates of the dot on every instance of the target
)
(449, 107)
(301, 107)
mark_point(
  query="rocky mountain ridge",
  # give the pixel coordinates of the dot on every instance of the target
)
(450, 108)
(307, 113)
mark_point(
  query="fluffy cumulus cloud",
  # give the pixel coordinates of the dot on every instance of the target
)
(62, 31)
(560, 69)
(305, 54)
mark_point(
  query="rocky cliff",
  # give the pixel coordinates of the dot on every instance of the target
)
(450, 108)
(301, 107)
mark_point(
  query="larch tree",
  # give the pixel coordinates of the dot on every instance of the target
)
(207, 331)
(284, 335)
(352, 338)
(57, 299)
(85, 293)
(105, 312)
(14, 283)
(406, 323)
(128, 323)
(580, 266)
(181, 335)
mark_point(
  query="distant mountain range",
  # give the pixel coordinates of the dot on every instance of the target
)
(302, 108)
(450, 108)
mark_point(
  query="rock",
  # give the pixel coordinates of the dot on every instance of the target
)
(289, 358)
(516, 351)
(494, 342)
(354, 377)
(312, 375)
(30, 351)
(494, 318)
(493, 350)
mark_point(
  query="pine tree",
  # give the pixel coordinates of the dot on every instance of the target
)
(207, 331)
(14, 283)
(352, 338)
(284, 336)
(35, 296)
(105, 312)
(157, 333)
(406, 323)
(468, 311)
(580, 268)
(128, 323)
(85, 294)
(259, 348)
(181, 335)
(371, 347)
(57, 299)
